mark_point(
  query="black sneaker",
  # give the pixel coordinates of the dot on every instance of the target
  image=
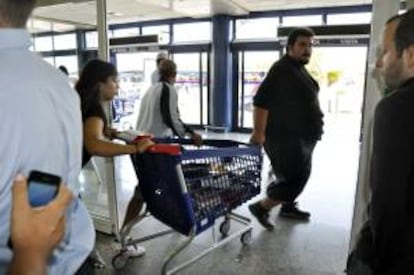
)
(291, 210)
(261, 214)
(96, 260)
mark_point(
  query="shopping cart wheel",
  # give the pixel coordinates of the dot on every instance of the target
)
(246, 237)
(225, 227)
(119, 261)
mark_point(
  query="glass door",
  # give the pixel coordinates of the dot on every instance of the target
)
(340, 72)
(134, 79)
(253, 67)
(192, 87)
(71, 63)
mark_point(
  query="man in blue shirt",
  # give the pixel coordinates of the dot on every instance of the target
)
(41, 130)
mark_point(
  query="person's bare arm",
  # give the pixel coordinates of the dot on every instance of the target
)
(111, 133)
(259, 125)
(95, 143)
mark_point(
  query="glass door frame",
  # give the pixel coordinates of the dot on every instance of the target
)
(114, 51)
(198, 49)
(242, 48)
(348, 42)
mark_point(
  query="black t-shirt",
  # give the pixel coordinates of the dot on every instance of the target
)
(392, 178)
(290, 94)
(93, 111)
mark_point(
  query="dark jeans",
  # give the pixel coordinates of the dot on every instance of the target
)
(356, 266)
(362, 258)
(291, 160)
(86, 268)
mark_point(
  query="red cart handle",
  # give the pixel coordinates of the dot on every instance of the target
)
(161, 148)
(141, 137)
(172, 149)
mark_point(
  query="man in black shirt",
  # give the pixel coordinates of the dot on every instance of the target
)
(386, 245)
(288, 123)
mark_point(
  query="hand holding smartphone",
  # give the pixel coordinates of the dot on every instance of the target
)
(42, 188)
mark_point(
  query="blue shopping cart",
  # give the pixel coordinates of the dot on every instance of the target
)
(188, 188)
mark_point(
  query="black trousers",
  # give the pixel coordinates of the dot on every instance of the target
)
(291, 160)
(86, 268)
(356, 266)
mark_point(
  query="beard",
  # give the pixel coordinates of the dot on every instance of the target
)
(393, 74)
(304, 59)
(379, 79)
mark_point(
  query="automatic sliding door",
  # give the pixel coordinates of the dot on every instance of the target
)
(253, 67)
(134, 79)
(191, 85)
(340, 72)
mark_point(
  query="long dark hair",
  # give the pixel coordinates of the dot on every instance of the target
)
(96, 71)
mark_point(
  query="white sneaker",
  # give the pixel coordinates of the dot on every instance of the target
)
(96, 259)
(135, 251)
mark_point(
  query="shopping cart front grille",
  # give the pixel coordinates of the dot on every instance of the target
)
(218, 177)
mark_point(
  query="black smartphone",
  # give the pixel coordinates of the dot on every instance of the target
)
(42, 188)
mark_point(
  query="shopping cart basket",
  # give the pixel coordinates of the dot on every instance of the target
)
(188, 188)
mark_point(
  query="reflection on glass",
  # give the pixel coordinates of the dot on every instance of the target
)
(190, 32)
(188, 86)
(134, 79)
(256, 28)
(135, 71)
(256, 66)
(162, 31)
(302, 20)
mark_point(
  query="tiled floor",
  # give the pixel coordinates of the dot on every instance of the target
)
(318, 247)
